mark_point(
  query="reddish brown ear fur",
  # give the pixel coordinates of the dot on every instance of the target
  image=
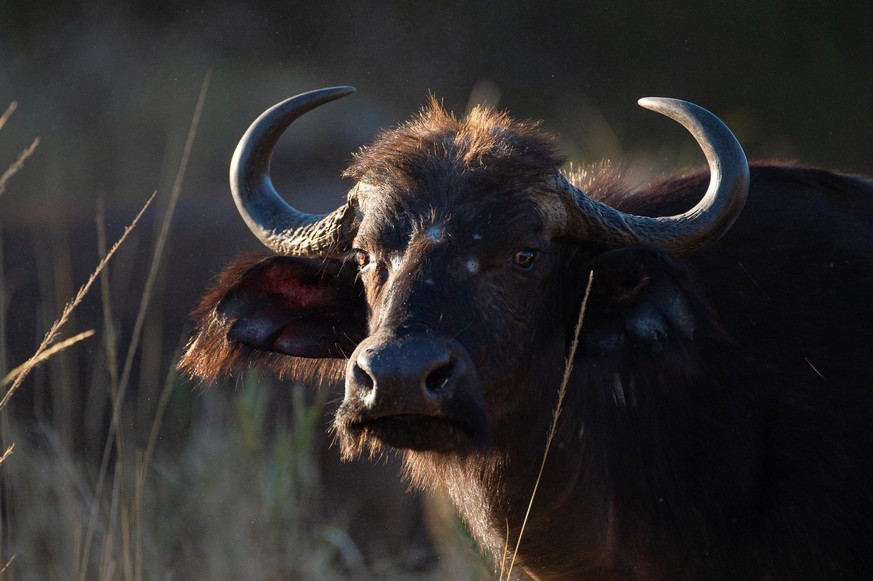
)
(261, 310)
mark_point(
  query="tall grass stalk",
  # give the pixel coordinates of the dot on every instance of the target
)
(7, 453)
(172, 375)
(5, 519)
(16, 167)
(143, 459)
(7, 565)
(112, 439)
(568, 367)
(8, 113)
(110, 341)
(19, 163)
(3, 306)
(161, 242)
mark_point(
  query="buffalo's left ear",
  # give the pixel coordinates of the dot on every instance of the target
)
(640, 295)
(305, 307)
(297, 306)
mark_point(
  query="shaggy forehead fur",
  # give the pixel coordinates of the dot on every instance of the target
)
(484, 146)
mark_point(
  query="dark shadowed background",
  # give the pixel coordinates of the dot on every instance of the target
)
(110, 89)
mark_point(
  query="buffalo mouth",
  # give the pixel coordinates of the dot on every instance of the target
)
(416, 432)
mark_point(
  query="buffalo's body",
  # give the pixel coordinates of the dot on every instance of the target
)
(716, 423)
(746, 453)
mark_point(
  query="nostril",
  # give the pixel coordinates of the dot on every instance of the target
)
(437, 379)
(362, 377)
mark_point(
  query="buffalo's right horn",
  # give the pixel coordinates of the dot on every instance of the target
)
(706, 222)
(278, 225)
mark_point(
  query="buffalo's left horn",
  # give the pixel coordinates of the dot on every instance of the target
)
(278, 225)
(702, 224)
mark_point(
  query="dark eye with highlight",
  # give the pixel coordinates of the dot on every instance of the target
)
(524, 259)
(362, 258)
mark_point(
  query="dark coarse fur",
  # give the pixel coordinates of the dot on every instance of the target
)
(717, 419)
(485, 143)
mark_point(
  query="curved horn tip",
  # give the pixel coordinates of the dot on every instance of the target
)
(321, 96)
(342, 89)
(661, 104)
(648, 101)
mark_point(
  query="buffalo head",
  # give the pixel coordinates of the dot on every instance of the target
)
(446, 282)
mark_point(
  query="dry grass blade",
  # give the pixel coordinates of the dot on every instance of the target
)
(505, 551)
(141, 315)
(159, 416)
(556, 414)
(6, 566)
(7, 453)
(144, 458)
(8, 113)
(65, 344)
(162, 238)
(16, 167)
(53, 332)
(108, 325)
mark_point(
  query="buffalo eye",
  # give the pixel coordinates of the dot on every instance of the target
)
(524, 259)
(362, 259)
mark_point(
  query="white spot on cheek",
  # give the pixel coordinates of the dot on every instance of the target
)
(435, 232)
(472, 266)
(477, 237)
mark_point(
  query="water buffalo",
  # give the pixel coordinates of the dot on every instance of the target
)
(717, 418)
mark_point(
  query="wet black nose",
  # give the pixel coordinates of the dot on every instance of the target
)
(407, 376)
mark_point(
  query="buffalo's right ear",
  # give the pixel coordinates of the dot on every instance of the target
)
(305, 307)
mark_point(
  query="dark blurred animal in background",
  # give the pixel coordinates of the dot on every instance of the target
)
(717, 421)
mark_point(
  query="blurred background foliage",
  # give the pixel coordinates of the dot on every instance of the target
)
(110, 87)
